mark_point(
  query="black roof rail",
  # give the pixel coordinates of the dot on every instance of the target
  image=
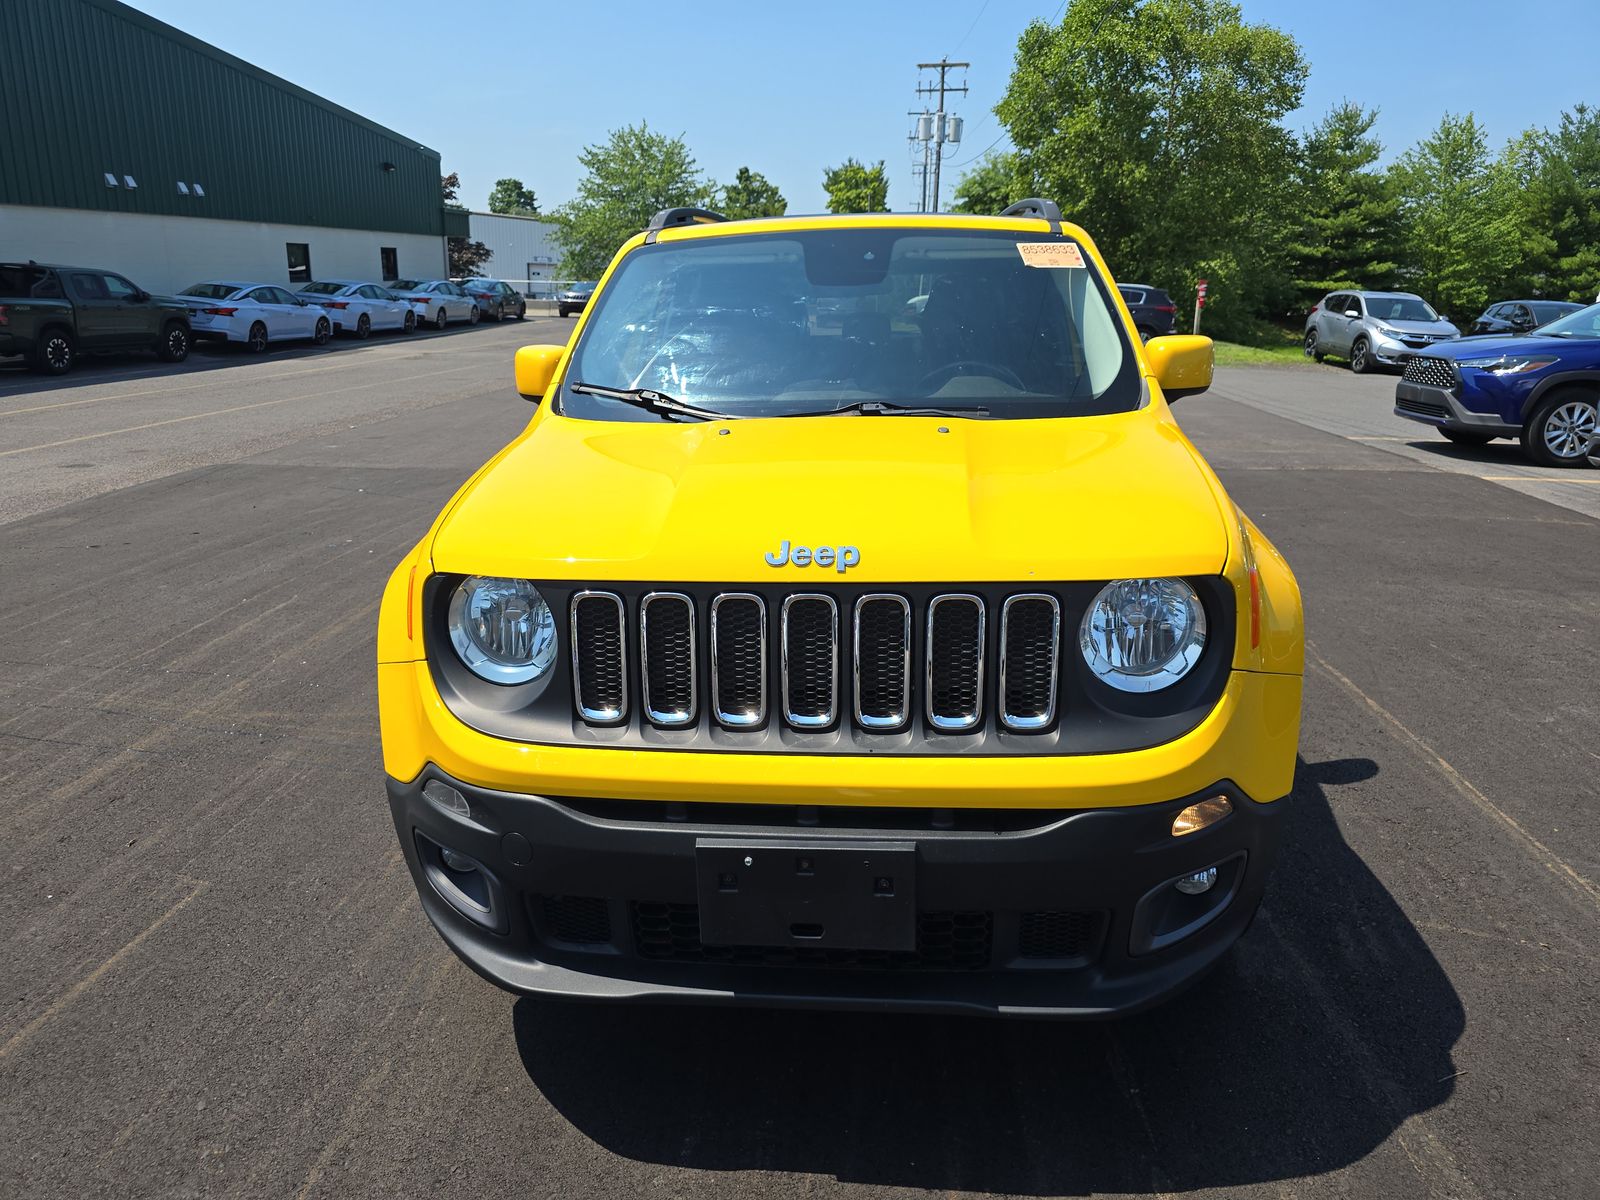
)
(671, 218)
(1035, 207)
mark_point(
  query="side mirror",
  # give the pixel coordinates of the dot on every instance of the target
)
(1181, 364)
(535, 367)
(1353, 313)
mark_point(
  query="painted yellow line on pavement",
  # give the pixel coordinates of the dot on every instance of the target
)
(221, 412)
(95, 975)
(1535, 479)
(1563, 871)
(196, 387)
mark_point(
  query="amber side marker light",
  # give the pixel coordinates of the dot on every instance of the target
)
(1197, 816)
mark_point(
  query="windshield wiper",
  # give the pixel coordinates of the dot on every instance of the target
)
(886, 408)
(654, 401)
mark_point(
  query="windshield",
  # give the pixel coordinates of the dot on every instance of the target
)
(210, 291)
(811, 322)
(1400, 308)
(323, 289)
(1583, 323)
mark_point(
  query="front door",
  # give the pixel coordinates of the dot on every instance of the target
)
(102, 322)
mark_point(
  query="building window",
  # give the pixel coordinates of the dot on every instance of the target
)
(390, 258)
(299, 262)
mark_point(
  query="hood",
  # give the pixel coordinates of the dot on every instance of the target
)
(1070, 498)
(1423, 328)
(1489, 345)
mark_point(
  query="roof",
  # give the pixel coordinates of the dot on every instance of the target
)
(190, 42)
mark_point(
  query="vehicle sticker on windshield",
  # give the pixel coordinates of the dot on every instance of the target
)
(1050, 254)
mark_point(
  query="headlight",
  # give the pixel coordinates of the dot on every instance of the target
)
(502, 629)
(1510, 364)
(1141, 635)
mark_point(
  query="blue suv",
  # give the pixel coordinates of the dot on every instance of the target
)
(1542, 387)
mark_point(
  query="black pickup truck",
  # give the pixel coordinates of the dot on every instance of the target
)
(53, 314)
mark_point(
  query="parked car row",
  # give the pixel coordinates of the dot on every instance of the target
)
(51, 314)
(1524, 369)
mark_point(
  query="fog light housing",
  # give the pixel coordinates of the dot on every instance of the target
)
(1197, 816)
(1198, 883)
(457, 861)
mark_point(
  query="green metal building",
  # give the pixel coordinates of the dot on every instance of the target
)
(132, 146)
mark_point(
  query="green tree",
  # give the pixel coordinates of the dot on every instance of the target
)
(1563, 208)
(1347, 231)
(854, 188)
(513, 199)
(1159, 127)
(992, 184)
(628, 178)
(1462, 216)
(752, 195)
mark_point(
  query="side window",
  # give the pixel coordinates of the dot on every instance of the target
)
(367, 292)
(88, 287)
(1360, 305)
(260, 295)
(119, 288)
(48, 287)
(1519, 312)
(1334, 304)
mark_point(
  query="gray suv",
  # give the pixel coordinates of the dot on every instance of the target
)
(1374, 328)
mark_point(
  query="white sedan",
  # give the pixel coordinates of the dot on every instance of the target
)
(437, 301)
(359, 307)
(253, 313)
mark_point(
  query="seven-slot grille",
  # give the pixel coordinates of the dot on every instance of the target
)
(1434, 372)
(812, 632)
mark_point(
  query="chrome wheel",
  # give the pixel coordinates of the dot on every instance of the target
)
(410, 322)
(258, 338)
(1572, 429)
(322, 332)
(1358, 356)
(363, 327)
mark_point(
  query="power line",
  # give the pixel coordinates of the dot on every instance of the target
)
(1093, 33)
(970, 28)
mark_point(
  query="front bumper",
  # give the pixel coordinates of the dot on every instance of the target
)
(1442, 408)
(1028, 913)
(1393, 352)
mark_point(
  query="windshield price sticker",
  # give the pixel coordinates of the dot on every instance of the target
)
(1050, 254)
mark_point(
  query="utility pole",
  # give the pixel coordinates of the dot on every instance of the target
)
(941, 128)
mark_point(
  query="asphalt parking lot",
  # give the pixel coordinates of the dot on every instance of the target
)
(218, 982)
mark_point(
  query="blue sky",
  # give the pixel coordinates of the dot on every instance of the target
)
(518, 88)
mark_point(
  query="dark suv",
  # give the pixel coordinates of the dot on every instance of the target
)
(1153, 311)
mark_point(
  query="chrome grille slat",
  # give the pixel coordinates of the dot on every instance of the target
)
(882, 661)
(810, 660)
(599, 657)
(953, 676)
(739, 660)
(1030, 656)
(667, 658)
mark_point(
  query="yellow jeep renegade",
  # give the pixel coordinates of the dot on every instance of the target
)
(851, 625)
